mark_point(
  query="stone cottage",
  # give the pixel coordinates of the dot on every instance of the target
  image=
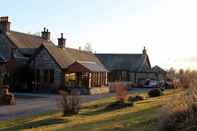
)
(134, 68)
(37, 64)
(18, 48)
(160, 73)
(42, 66)
(55, 66)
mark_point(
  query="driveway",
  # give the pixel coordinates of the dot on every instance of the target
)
(31, 104)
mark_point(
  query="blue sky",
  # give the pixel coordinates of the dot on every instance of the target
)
(166, 27)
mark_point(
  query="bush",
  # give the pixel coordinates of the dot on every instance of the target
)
(70, 103)
(181, 120)
(155, 92)
(7, 98)
(121, 90)
(180, 114)
(136, 98)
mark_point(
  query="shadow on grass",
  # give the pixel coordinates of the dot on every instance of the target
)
(105, 109)
(144, 120)
(96, 112)
(29, 125)
(145, 101)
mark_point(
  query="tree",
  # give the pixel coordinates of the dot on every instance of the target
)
(88, 47)
(171, 73)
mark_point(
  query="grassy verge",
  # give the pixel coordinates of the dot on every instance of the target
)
(143, 116)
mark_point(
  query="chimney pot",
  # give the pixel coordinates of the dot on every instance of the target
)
(144, 51)
(46, 34)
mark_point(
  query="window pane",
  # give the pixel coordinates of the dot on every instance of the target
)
(51, 76)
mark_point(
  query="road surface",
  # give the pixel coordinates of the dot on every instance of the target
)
(31, 104)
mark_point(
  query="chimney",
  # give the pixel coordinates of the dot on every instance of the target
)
(144, 51)
(61, 41)
(4, 24)
(46, 34)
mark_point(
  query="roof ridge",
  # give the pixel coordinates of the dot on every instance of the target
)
(33, 35)
(79, 50)
(86, 62)
(119, 54)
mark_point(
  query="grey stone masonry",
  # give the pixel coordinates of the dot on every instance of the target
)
(44, 61)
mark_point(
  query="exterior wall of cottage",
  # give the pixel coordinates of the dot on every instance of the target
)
(140, 77)
(132, 77)
(161, 76)
(43, 61)
(5, 49)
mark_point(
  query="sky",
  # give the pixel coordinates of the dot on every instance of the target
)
(168, 28)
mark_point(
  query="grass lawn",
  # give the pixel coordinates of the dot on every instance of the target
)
(143, 116)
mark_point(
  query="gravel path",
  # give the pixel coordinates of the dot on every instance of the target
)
(32, 104)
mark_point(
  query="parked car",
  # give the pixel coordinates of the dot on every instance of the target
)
(150, 84)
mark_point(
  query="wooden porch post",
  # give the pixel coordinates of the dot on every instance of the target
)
(106, 78)
(90, 80)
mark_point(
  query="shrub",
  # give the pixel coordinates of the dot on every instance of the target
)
(155, 92)
(121, 91)
(181, 120)
(70, 103)
(136, 98)
(180, 114)
(7, 98)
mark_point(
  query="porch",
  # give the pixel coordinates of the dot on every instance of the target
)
(88, 76)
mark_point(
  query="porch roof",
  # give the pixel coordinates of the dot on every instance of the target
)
(86, 66)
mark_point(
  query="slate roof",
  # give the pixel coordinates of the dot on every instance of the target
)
(86, 66)
(26, 43)
(67, 56)
(158, 69)
(129, 62)
(93, 66)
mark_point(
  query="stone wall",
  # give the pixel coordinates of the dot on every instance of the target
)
(132, 77)
(99, 90)
(141, 76)
(161, 76)
(5, 45)
(44, 61)
(144, 76)
(136, 77)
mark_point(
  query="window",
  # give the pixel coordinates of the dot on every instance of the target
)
(124, 76)
(51, 78)
(49, 75)
(38, 75)
(46, 75)
(70, 77)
